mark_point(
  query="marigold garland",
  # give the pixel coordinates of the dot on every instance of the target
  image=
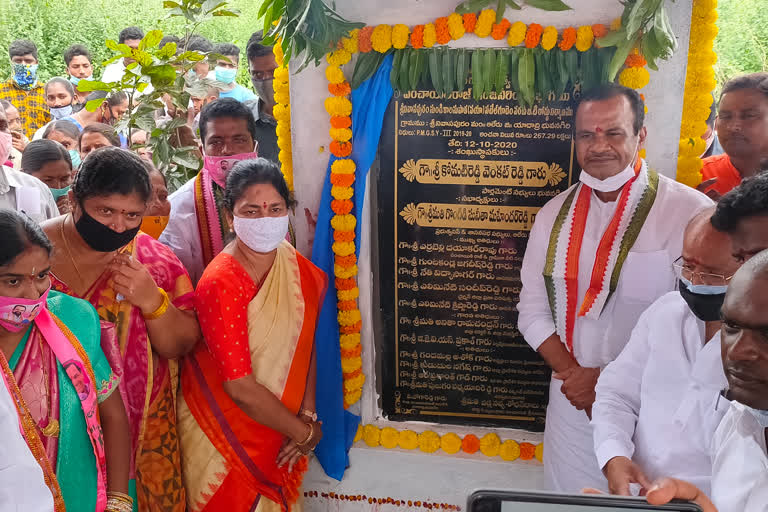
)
(282, 113)
(699, 83)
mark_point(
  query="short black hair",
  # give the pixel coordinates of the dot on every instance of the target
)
(228, 50)
(19, 233)
(21, 47)
(132, 33)
(226, 107)
(105, 130)
(40, 152)
(749, 199)
(64, 82)
(110, 170)
(755, 81)
(255, 48)
(198, 43)
(255, 172)
(76, 50)
(68, 128)
(114, 98)
(612, 90)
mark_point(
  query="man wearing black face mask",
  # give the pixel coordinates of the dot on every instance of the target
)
(655, 411)
(261, 66)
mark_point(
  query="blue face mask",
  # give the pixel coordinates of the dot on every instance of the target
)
(76, 79)
(25, 75)
(61, 112)
(703, 289)
(760, 415)
(59, 192)
(74, 155)
(704, 301)
(225, 75)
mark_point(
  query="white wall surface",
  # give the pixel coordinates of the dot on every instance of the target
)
(413, 475)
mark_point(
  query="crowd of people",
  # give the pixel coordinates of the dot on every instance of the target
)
(157, 352)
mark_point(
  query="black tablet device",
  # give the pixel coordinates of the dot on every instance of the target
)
(522, 501)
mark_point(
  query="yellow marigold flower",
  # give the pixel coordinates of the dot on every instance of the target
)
(634, 78)
(689, 164)
(456, 26)
(490, 445)
(358, 434)
(345, 273)
(282, 112)
(342, 192)
(429, 442)
(540, 447)
(284, 143)
(351, 364)
(282, 97)
(641, 153)
(389, 437)
(282, 74)
(450, 443)
(338, 58)
(430, 35)
(408, 440)
(343, 166)
(517, 33)
(355, 383)
(485, 23)
(371, 435)
(337, 106)
(400, 35)
(352, 398)
(509, 450)
(340, 134)
(343, 222)
(350, 43)
(584, 38)
(381, 39)
(349, 341)
(616, 24)
(343, 248)
(549, 38)
(344, 295)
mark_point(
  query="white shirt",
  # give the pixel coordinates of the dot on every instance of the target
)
(182, 233)
(569, 461)
(659, 402)
(22, 485)
(740, 463)
(26, 194)
(114, 73)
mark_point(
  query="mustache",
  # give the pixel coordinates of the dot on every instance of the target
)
(745, 373)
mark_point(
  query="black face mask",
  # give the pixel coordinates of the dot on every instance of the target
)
(101, 238)
(705, 307)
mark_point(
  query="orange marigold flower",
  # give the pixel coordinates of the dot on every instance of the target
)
(443, 32)
(344, 284)
(352, 375)
(499, 30)
(417, 36)
(344, 236)
(527, 451)
(599, 30)
(355, 352)
(351, 329)
(635, 60)
(342, 180)
(364, 39)
(470, 443)
(341, 207)
(342, 89)
(346, 305)
(470, 20)
(341, 122)
(568, 39)
(341, 149)
(533, 36)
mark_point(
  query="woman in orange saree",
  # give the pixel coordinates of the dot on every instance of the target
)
(138, 284)
(247, 407)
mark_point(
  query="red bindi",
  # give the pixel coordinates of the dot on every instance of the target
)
(598, 129)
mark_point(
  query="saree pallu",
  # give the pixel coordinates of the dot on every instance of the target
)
(53, 401)
(229, 460)
(149, 383)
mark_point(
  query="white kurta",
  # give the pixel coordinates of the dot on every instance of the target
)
(740, 463)
(22, 486)
(569, 457)
(659, 402)
(182, 233)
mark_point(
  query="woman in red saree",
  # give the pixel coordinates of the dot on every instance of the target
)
(247, 407)
(139, 285)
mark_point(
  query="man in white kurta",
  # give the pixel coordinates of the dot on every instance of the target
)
(658, 404)
(740, 454)
(608, 136)
(22, 486)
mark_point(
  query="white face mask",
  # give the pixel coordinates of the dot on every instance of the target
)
(262, 234)
(760, 415)
(611, 184)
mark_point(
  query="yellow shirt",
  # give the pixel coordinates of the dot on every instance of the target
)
(33, 111)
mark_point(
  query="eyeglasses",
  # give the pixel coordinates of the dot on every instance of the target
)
(684, 270)
(263, 75)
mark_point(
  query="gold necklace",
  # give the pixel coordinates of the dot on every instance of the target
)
(52, 428)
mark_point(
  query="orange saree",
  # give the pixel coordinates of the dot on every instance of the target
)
(228, 459)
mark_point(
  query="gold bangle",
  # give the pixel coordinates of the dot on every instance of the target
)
(309, 437)
(161, 309)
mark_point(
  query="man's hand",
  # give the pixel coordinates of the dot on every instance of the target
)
(712, 194)
(620, 472)
(18, 141)
(579, 385)
(667, 489)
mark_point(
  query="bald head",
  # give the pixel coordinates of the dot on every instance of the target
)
(745, 333)
(706, 249)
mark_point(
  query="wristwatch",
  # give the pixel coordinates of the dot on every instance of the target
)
(308, 414)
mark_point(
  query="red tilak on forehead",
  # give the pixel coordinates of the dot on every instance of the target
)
(265, 205)
(598, 129)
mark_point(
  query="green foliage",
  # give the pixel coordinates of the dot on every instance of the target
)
(742, 42)
(54, 25)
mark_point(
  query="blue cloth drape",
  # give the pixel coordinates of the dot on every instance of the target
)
(369, 103)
